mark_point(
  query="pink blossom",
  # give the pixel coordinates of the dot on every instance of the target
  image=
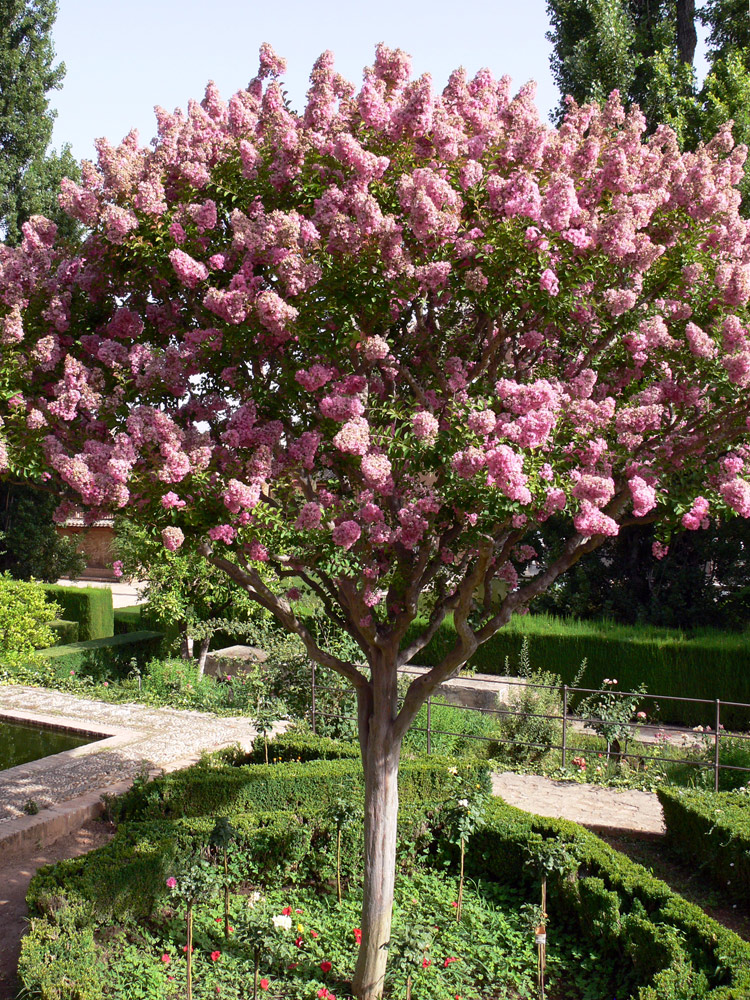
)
(170, 500)
(309, 517)
(425, 426)
(354, 437)
(736, 494)
(256, 552)
(468, 462)
(172, 538)
(222, 533)
(117, 569)
(644, 496)
(241, 496)
(592, 521)
(693, 518)
(701, 345)
(377, 472)
(375, 348)
(190, 272)
(659, 550)
(346, 534)
(341, 408)
(548, 282)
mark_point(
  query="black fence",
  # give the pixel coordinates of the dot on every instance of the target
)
(572, 723)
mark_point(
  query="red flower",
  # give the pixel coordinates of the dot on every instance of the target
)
(426, 962)
(287, 911)
(215, 956)
(448, 961)
(166, 959)
(313, 934)
(325, 966)
(230, 929)
(454, 904)
(184, 948)
(218, 920)
(357, 935)
(298, 942)
(264, 984)
(298, 911)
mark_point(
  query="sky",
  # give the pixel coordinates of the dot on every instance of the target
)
(123, 57)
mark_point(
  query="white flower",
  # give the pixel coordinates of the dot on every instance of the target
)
(452, 770)
(464, 803)
(282, 921)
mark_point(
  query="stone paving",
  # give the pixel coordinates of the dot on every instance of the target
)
(593, 806)
(138, 737)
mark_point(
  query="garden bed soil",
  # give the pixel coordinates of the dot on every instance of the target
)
(16, 871)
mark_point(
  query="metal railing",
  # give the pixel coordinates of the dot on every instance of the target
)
(576, 723)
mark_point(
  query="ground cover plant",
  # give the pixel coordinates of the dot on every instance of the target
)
(337, 347)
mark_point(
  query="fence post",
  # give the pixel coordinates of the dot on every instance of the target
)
(312, 708)
(429, 725)
(564, 724)
(716, 746)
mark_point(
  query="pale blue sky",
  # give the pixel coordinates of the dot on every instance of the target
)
(125, 56)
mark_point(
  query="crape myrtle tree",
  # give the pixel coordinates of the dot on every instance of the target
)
(373, 345)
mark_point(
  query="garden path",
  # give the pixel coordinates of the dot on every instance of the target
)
(593, 806)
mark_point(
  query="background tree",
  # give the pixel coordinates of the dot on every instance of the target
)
(374, 346)
(29, 175)
(184, 594)
(30, 546)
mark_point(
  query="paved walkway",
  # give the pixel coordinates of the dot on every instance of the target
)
(136, 737)
(593, 806)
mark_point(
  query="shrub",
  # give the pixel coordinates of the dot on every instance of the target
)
(25, 615)
(91, 607)
(712, 830)
(452, 729)
(301, 746)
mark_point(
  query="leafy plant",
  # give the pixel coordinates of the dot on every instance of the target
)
(25, 615)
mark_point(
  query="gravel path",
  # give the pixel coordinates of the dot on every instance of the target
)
(593, 806)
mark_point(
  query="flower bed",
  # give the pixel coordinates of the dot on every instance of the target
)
(114, 923)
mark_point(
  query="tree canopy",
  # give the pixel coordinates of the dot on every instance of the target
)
(373, 345)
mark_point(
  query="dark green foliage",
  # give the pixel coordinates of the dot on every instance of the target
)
(91, 607)
(28, 176)
(215, 788)
(712, 830)
(103, 658)
(701, 582)
(25, 615)
(128, 619)
(647, 933)
(66, 633)
(707, 667)
(30, 545)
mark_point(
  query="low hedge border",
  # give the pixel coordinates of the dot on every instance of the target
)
(113, 653)
(706, 667)
(214, 788)
(712, 829)
(648, 932)
(91, 607)
(297, 746)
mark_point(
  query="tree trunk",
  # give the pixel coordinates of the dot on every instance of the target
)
(202, 654)
(687, 36)
(380, 761)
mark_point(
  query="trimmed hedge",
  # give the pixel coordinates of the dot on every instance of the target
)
(91, 607)
(217, 789)
(293, 746)
(127, 619)
(712, 830)
(668, 663)
(660, 946)
(102, 656)
(65, 632)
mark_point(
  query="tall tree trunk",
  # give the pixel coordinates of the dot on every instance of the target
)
(381, 755)
(687, 36)
(202, 654)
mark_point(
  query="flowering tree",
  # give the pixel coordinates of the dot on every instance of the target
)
(375, 345)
